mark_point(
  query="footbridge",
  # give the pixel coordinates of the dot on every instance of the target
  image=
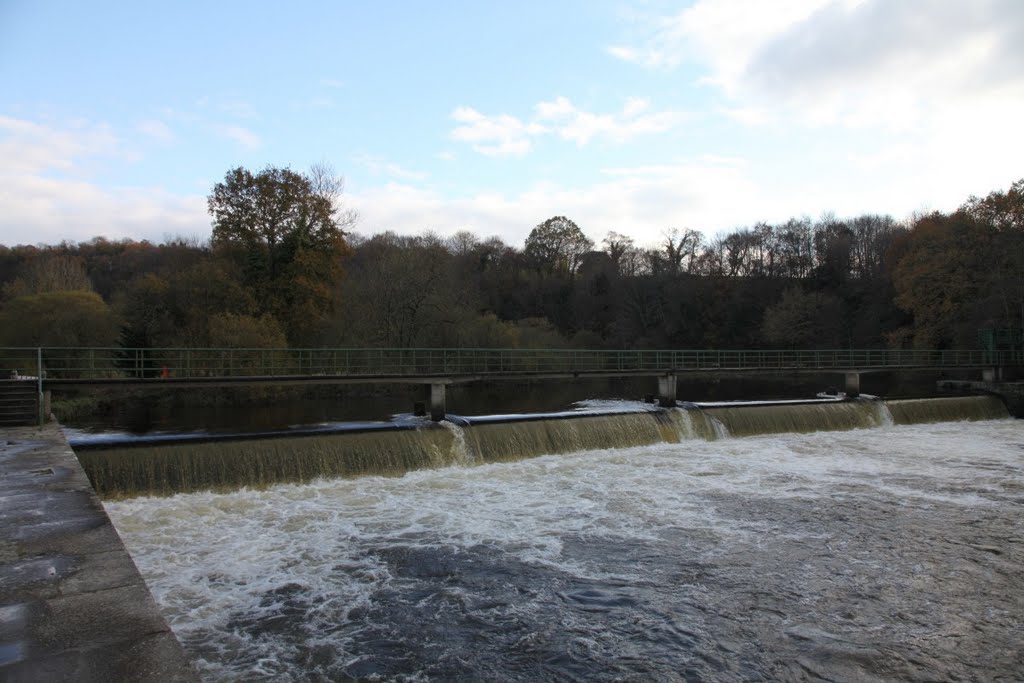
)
(435, 368)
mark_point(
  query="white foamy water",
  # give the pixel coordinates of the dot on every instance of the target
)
(881, 554)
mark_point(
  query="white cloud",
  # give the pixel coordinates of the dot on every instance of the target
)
(45, 210)
(748, 116)
(242, 136)
(506, 135)
(380, 166)
(501, 135)
(857, 63)
(639, 201)
(723, 33)
(635, 106)
(634, 55)
(27, 147)
(920, 102)
(582, 126)
(711, 193)
(48, 197)
(555, 109)
(156, 129)
(233, 107)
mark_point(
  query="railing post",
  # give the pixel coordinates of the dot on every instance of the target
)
(39, 386)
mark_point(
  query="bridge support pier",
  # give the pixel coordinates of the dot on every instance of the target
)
(853, 384)
(667, 391)
(992, 375)
(437, 402)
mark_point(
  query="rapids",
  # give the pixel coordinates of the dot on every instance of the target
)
(891, 553)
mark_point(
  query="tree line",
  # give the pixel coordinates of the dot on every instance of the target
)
(285, 267)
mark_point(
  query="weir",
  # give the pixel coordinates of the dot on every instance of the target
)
(801, 417)
(168, 467)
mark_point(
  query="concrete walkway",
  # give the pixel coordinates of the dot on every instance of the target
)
(73, 607)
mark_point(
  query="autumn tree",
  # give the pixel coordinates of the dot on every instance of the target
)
(400, 293)
(177, 309)
(240, 331)
(49, 272)
(804, 320)
(1003, 213)
(285, 232)
(69, 318)
(939, 277)
(146, 308)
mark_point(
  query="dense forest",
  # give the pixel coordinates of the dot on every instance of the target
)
(285, 266)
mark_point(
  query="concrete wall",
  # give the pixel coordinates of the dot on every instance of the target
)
(73, 606)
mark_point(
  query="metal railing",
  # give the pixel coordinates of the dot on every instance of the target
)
(116, 363)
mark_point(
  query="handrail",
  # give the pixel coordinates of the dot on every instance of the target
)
(99, 363)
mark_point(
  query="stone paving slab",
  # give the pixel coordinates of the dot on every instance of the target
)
(73, 606)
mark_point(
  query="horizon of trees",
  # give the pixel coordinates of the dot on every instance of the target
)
(284, 268)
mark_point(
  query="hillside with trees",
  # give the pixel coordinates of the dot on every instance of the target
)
(285, 267)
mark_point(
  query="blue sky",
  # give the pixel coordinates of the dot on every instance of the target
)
(116, 118)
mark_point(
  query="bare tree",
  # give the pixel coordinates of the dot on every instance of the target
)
(618, 247)
(50, 272)
(680, 249)
(462, 243)
(326, 183)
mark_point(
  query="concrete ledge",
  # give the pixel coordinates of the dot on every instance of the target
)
(73, 606)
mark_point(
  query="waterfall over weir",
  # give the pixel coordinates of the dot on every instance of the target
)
(166, 466)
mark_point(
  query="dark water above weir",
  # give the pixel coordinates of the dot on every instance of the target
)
(228, 410)
(894, 552)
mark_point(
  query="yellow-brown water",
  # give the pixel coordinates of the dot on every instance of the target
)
(950, 409)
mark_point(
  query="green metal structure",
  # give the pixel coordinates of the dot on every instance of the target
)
(995, 340)
(51, 366)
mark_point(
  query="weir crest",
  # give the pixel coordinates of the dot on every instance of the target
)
(192, 463)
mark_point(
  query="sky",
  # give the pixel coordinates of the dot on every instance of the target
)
(117, 118)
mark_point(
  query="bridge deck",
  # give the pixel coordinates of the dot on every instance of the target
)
(210, 367)
(299, 380)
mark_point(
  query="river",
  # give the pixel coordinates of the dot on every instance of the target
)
(893, 553)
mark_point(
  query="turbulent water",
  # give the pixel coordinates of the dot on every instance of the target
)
(894, 553)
